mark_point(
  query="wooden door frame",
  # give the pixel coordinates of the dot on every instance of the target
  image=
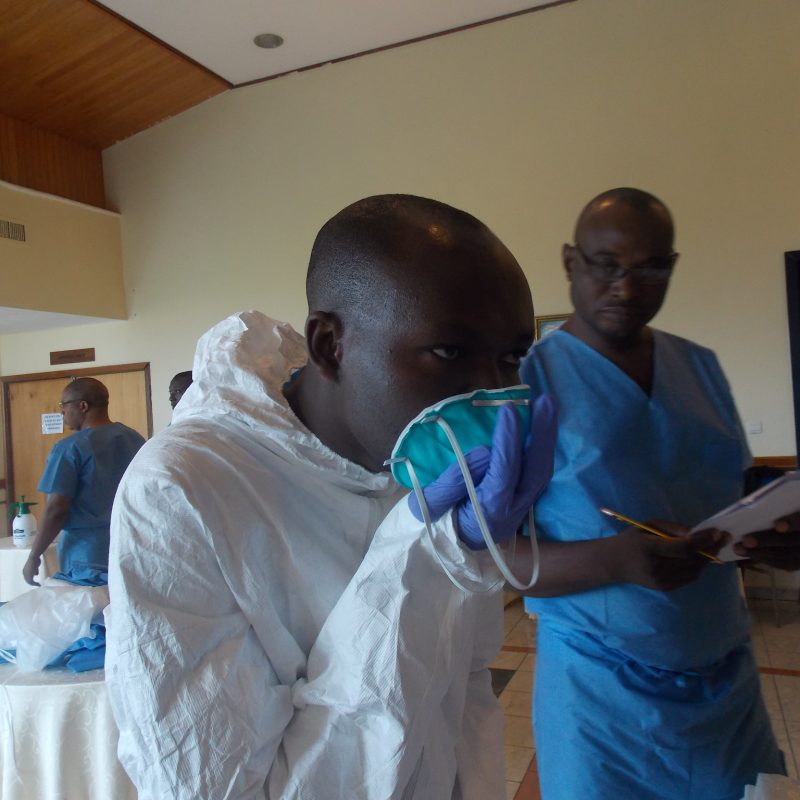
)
(7, 380)
(792, 262)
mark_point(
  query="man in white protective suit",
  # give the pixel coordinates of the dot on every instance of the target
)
(281, 627)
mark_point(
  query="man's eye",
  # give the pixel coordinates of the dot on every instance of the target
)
(447, 352)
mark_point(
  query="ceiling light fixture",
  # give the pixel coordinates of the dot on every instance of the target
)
(268, 40)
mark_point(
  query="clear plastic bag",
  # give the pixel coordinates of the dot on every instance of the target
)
(42, 623)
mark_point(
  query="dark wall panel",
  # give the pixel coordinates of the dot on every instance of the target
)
(39, 159)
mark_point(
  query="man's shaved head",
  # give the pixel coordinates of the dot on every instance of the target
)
(84, 403)
(89, 389)
(378, 237)
(635, 199)
(410, 301)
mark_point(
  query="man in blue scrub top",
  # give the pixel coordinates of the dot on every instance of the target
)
(646, 685)
(81, 478)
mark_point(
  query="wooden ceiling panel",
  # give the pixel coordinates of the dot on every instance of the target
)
(74, 68)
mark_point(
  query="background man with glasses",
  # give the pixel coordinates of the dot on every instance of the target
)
(80, 479)
(646, 685)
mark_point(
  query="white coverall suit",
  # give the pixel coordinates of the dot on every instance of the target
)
(274, 634)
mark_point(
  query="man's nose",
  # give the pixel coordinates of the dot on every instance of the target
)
(625, 287)
(489, 376)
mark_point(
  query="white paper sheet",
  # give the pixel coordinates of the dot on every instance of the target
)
(756, 512)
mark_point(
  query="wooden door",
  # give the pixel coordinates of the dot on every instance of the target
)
(28, 397)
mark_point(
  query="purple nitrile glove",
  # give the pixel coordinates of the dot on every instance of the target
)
(508, 485)
(449, 488)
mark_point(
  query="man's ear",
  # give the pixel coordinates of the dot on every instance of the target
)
(568, 259)
(324, 333)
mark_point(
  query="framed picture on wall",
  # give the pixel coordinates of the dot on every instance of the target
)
(549, 323)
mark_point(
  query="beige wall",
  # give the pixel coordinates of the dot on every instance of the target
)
(71, 260)
(519, 122)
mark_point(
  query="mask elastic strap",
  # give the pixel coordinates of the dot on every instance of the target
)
(501, 563)
(426, 517)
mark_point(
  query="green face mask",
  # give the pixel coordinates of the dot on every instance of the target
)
(424, 442)
(438, 437)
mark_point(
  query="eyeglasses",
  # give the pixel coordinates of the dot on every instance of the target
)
(653, 272)
(67, 402)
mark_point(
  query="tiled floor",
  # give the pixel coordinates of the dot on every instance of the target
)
(777, 651)
(517, 656)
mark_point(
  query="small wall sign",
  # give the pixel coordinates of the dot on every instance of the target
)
(72, 356)
(52, 423)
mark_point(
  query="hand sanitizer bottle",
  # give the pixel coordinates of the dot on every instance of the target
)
(23, 527)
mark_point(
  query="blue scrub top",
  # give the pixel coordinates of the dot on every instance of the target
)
(677, 454)
(87, 467)
(638, 693)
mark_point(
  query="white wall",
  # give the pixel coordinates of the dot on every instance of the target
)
(519, 122)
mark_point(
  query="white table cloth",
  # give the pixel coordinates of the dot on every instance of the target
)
(12, 560)
(58, 740)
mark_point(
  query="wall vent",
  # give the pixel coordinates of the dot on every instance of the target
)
(12, 230)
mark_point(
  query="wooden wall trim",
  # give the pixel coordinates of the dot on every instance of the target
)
(41, 160)
(792, 262)
(782, 462)
(78, 373)
(7, 441)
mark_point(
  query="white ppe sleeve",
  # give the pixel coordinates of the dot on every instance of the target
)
(479, 750)
(195, 697)
(392, 707)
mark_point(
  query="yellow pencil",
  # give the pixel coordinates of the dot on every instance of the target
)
(654, 531)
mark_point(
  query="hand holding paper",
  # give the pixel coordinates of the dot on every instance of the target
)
(764, 526)
(778, 547)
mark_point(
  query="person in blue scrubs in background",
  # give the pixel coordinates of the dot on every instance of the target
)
(646, 684)
(80, 479)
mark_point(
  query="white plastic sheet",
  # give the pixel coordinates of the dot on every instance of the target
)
(42, 623)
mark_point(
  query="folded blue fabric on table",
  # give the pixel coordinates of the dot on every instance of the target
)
(84, 576)
(85, 654)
